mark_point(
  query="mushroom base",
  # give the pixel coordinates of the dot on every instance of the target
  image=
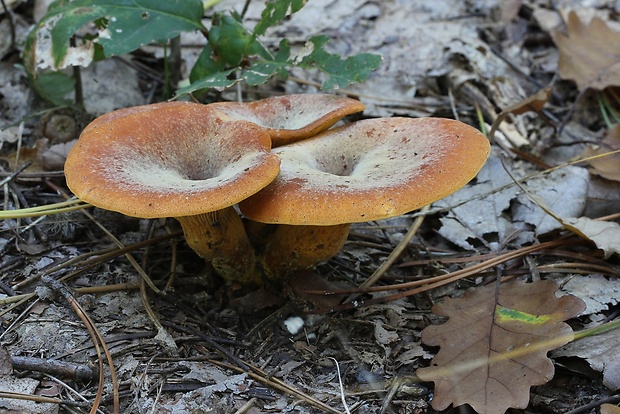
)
(291, 248)
(220, 238)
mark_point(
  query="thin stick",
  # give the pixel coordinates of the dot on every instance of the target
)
(397, 251)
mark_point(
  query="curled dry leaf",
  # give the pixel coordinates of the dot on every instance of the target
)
(589, 54)
(494, 345)
(605, 234)
(608, 166)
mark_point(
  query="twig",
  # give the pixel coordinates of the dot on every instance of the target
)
(245, 407)
(397, 251)
(55, 367)
(430, 283)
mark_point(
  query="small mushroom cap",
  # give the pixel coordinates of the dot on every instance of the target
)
(291, 118)
(369, 170)
(169, 160)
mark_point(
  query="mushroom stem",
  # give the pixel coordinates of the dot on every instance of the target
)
(220, 238)
(293, 247)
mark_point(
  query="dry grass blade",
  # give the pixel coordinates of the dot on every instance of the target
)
(28, 397)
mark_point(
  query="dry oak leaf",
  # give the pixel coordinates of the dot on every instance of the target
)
(494, 345)
(589, 55)
(608, 166)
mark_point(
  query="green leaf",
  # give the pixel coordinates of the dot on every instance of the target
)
(205, 65)
(130, 23)
(232, 41)
(135, 23)
(54, 87)
(217, 80)
(275, 11)
(260, 72)
(341, 72)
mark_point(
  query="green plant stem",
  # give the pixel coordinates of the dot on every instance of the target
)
(603, 108)
(612, 111)
(245, 8)
(210, 3)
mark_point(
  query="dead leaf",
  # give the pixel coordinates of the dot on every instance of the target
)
(533, 103)
(383, 336)
(600, 293)
(561, 192)
(589, 55)
(602, 352)
(610, 409)
(494, 346)
(477, 212)
(609, 166)
(6, 365)
(605, 234)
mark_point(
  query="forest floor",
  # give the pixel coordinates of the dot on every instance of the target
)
(226, 351)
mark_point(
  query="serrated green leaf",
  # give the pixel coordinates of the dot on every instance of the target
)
(341, 72)
(275, 11)
(217, 80)
(131, 23)
(260, 72)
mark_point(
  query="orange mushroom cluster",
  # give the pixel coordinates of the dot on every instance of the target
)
(197, 162)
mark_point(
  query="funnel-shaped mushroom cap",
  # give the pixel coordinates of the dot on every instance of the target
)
(291, 118)
(369, 170)
(169, 160)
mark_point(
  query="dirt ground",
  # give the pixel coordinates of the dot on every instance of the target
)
(219, 348)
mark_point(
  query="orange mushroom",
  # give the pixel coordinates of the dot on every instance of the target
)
(368, 170)
(180, 160)
(291, 118)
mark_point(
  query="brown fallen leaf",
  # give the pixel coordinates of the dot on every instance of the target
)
(605, 234)
(608, 166)
(589, 55)
(610, 409)
(533, 103)
(494, 345)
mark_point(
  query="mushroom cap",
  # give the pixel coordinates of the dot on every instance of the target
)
(369, 170)
(291, 118)
(169, 160)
